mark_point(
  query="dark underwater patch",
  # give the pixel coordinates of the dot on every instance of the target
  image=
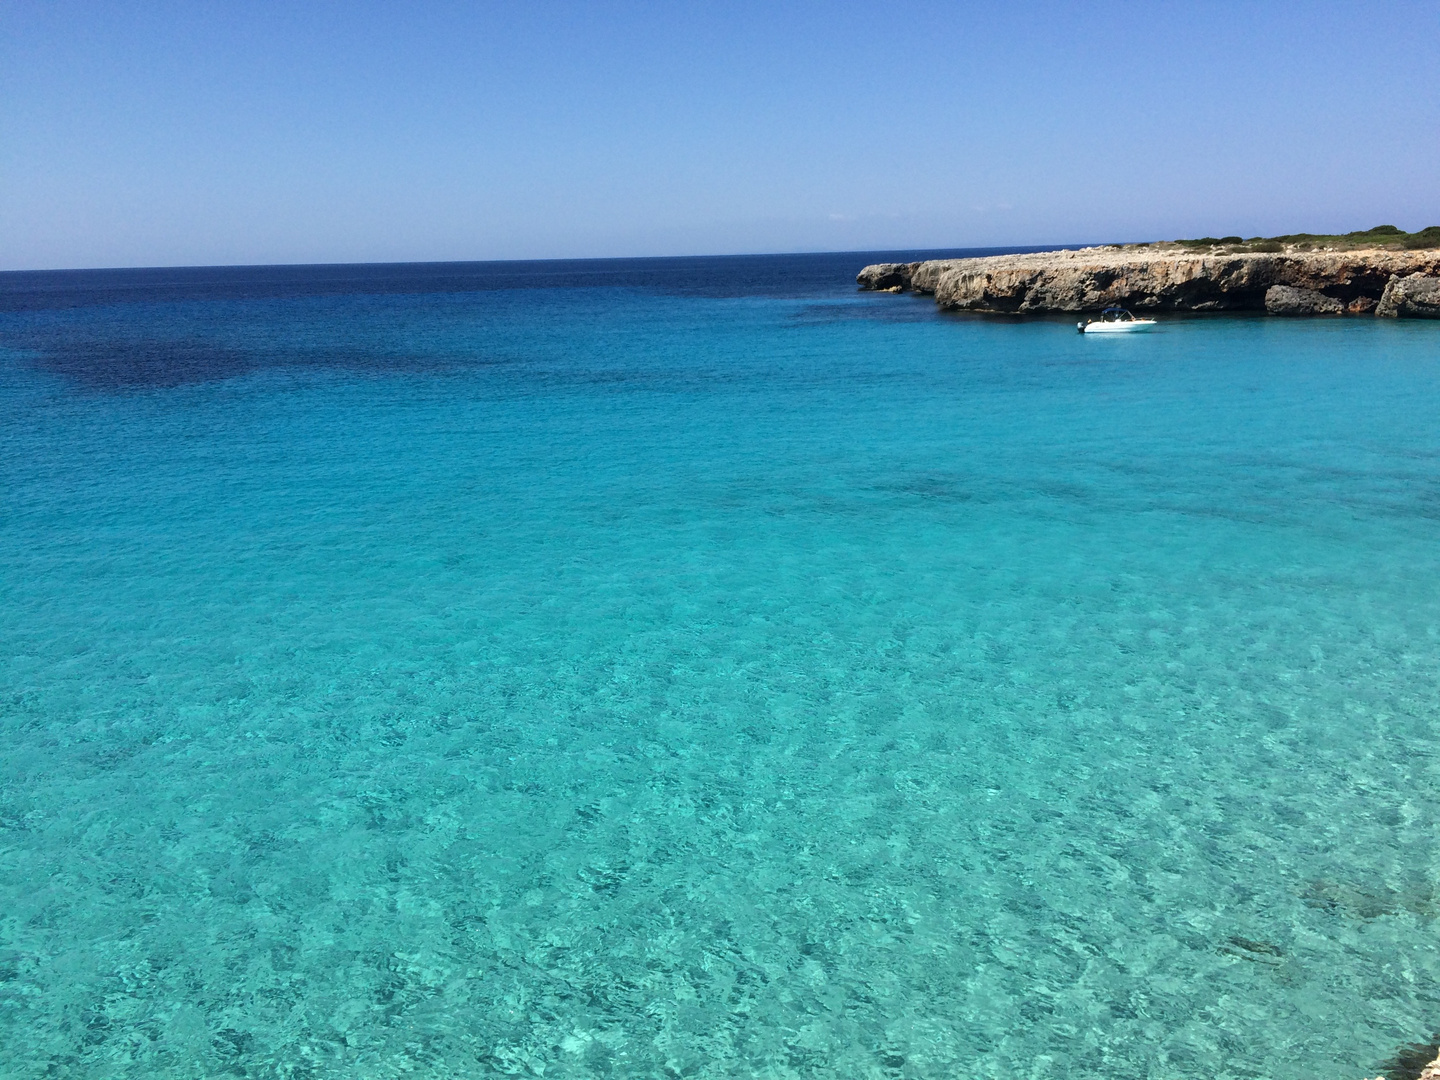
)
(127, 365)
(119, 364)
(1410, 1060)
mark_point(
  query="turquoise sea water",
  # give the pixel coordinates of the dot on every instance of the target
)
(703, 670)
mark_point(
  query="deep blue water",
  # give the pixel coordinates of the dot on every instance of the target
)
(695, 668)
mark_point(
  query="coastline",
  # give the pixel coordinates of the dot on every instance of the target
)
(1172, 278)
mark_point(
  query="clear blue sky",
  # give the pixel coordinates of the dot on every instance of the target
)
(162, 133)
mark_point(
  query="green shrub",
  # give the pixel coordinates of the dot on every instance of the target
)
(1427, 237)
(1380, 235)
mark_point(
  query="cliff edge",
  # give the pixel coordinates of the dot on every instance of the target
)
(1163, 277)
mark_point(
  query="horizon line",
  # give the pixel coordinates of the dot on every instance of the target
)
(994, 248)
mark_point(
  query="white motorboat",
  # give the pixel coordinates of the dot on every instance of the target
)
(1115, 320)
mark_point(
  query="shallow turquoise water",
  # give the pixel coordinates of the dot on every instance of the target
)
(619, 681)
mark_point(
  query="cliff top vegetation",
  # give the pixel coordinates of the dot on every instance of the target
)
(1384, 236)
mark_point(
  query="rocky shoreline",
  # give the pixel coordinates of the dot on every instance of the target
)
(1412, 1062)
(1168, 277)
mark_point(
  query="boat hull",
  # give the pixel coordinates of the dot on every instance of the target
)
(1139, 326)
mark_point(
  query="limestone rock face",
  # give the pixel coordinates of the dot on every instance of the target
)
(881, 277)
(1162, 279)
(1416, 296)
(1289, 300)
(926, 276)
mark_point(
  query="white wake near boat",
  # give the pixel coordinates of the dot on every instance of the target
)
(1115, 320)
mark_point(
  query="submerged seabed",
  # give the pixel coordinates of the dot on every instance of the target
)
(698, 669)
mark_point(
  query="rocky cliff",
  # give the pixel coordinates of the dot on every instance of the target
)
(1170, 278)
(1416, 296)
